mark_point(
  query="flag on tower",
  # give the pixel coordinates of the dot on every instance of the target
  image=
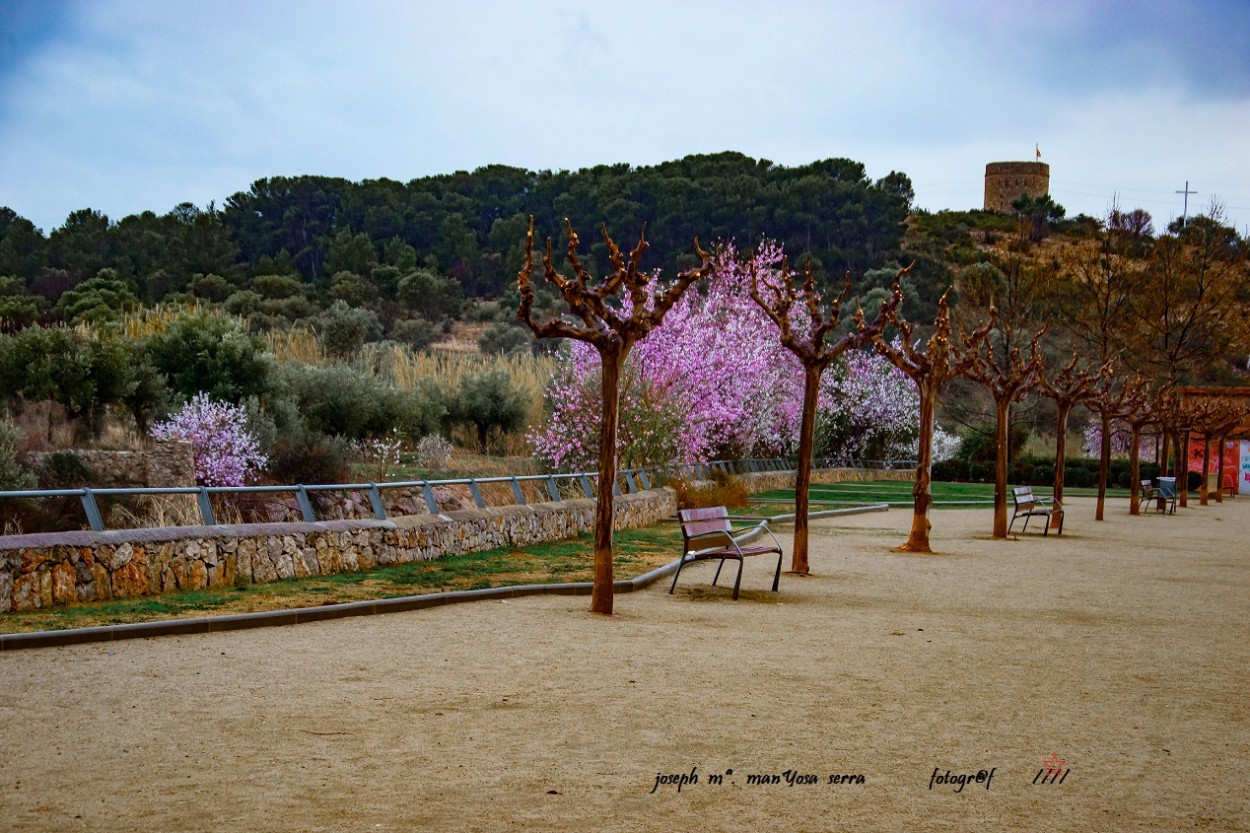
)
(1039, 152)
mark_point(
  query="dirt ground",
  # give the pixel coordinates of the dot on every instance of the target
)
(1119, 654)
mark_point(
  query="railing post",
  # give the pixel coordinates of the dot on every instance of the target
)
(305, 505)
(430, 503)
(552, 489)
(646, 482)
(629, 481)
(585, 481)
(477, 493)
(92, 510)
(206, 507)
(375, 500)
(517, 494)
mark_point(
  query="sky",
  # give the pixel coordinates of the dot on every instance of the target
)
(124, 106)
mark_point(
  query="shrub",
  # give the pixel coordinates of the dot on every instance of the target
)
(66, 470)
(1080, 476)
(344, 330)
(211, 355)
(502, 339)
(380, 454)
(417, 333)
(101, 298)
(950, 471)
(433, 452)
(13, 475)
(430, 294)
(724, 490)
(309, 459)
(981, 472)
(341, 401)
(488, 401)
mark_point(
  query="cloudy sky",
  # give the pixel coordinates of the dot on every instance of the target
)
(129, 105)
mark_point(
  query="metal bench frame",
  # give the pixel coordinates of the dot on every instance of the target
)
(707, 533)
(1027, 505)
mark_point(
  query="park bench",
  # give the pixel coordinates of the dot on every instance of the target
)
(1028, 506)
(1149, 492)
(707, 533)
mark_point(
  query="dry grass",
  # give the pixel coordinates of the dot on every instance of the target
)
(405, 368)
(146, 321)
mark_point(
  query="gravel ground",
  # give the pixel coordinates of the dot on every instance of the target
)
(1118, 654)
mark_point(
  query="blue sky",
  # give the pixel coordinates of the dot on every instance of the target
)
(129, 105)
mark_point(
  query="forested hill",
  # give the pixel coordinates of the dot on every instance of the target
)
(470, 226)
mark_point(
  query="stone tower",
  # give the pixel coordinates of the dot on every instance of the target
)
(1007, 181)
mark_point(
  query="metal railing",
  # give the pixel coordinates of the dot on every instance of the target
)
(634, 480)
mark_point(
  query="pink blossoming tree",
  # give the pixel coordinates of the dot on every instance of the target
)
(226, 453)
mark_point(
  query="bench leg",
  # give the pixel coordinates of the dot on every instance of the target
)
(777, 577)
(717, 576)
(738, 580)
(680, 564)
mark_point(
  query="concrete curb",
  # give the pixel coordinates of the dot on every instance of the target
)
(295, 616)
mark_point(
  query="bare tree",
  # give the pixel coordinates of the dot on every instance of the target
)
(1188, 307)
(1146, 413)
(1114, 398)
(612, 331)
(929, 368)
(804, 333)
(1008, 376)
(1069, 387)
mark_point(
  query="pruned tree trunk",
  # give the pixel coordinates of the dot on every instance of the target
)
(601, 593)
(1003, 414)
(1203, 489)
(1061, 452)
(930, 368)
(1104, 464)
(803, 477)
(1219, 469)
(1134, 471)
(1182, 470)
(921, 491)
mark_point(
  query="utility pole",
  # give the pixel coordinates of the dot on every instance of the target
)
(1186, 192)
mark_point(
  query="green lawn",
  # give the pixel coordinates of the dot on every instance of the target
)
(898, 493)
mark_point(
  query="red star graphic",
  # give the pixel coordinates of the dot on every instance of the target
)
(1054, 763)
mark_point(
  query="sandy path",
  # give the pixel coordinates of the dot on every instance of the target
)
(1123, 648)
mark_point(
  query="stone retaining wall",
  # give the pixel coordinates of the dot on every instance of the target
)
(48, 569)
(166, 463)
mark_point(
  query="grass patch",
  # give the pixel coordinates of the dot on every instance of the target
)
(899, 493)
